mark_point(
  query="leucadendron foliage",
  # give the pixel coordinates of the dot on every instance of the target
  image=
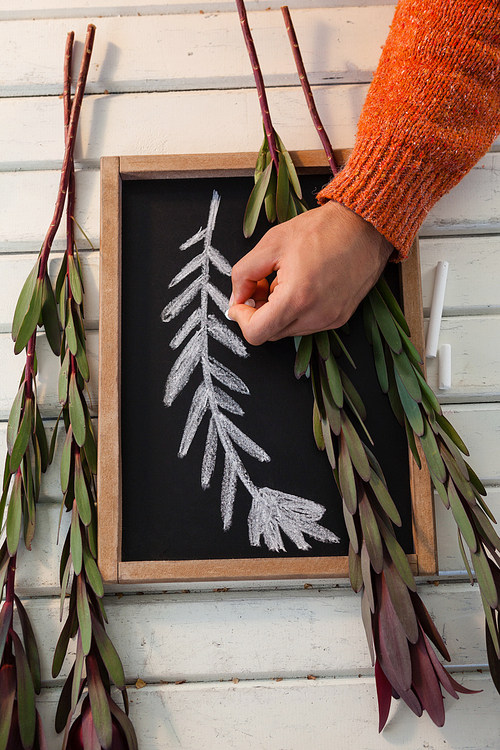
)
(400, 632)
(100, 723)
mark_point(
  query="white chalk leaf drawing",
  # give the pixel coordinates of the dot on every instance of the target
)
(272, 512)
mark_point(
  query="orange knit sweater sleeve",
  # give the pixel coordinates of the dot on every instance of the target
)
(432, 110)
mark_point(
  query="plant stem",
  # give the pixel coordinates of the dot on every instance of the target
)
(30, 362)
(69, 149)
(259, 81)
(306, 88)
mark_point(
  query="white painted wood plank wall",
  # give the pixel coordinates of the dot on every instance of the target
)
(173, 77)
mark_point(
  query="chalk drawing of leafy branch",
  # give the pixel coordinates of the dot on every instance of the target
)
(272, 511)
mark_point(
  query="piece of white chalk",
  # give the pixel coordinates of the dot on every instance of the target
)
(436, 312)
(250, 302)
(444, 361)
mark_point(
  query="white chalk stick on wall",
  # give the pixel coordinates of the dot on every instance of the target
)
(436, 309)
(444, 362)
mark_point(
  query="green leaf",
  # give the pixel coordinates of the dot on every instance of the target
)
(29, 644)
(355, 574)
(76, 682)
(397, 556)
(62, 644)
(63, 378)
(384, 498)
(75, 281)
(66, 460)
(485, 577)
(303, 355)
(356, 450)
(371, 534)
(14, 419)
(379, 357)
(25, 695)
(405, 370)
(282, 190)
(461, 517)
(412, 444)
(432, 455)
(24, 299)
(334, 381)
(30, 321)
(63, 304)
(428, 393)
(316, 386)
(90, 447)
(42, 441)
(108, 654)
(255, 201)
(53, 439)
(14, 515)
(92, 572)
(76, 412)
(64, 586)
(70, 332)
(336, 340)
(486, 528)
(411, 349)
(410, 406)
(270, 199)
(351, 529)
(323, 344)
(476, 482)
(353, 397)
(4, 565)
(82, 362)
(461, 483)
(76, 541)
(492, 644)
(392, 303)
(385, 321)
(23, 436)
(7, 694)
(332, 410)
(290, 166)
(101, 714)
(464, 557)
(346, 477)
(317, 431)
(50, 317)
(327, 438)
(394, 399)
(83, 613)
(81, 493)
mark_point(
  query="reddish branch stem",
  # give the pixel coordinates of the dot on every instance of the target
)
(70, 146)
(306, 88)
(259, 81)
(30, 364)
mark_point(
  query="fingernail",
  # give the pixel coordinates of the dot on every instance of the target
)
(227, 315)
(250, 302)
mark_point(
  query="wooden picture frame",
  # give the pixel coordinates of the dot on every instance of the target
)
(114, 171)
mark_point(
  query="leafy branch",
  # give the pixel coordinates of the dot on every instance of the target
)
(399, 629)
(96, 664)
(272, 511)
(276, 183)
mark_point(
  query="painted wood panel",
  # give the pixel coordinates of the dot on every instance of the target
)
(298, 715)
(474, 269)
(30, 9)
(258, 634)
(471, 207)
(195, 51)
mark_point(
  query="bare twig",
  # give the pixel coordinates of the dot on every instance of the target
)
(306, 88)
(259, 81)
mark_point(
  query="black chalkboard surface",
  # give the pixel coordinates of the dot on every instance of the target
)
(211, 429)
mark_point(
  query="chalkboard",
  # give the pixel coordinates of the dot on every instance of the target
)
(211, 435)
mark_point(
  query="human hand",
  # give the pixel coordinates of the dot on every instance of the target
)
(326, 261)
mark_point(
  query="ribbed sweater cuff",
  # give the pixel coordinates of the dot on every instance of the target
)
(380, 182)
